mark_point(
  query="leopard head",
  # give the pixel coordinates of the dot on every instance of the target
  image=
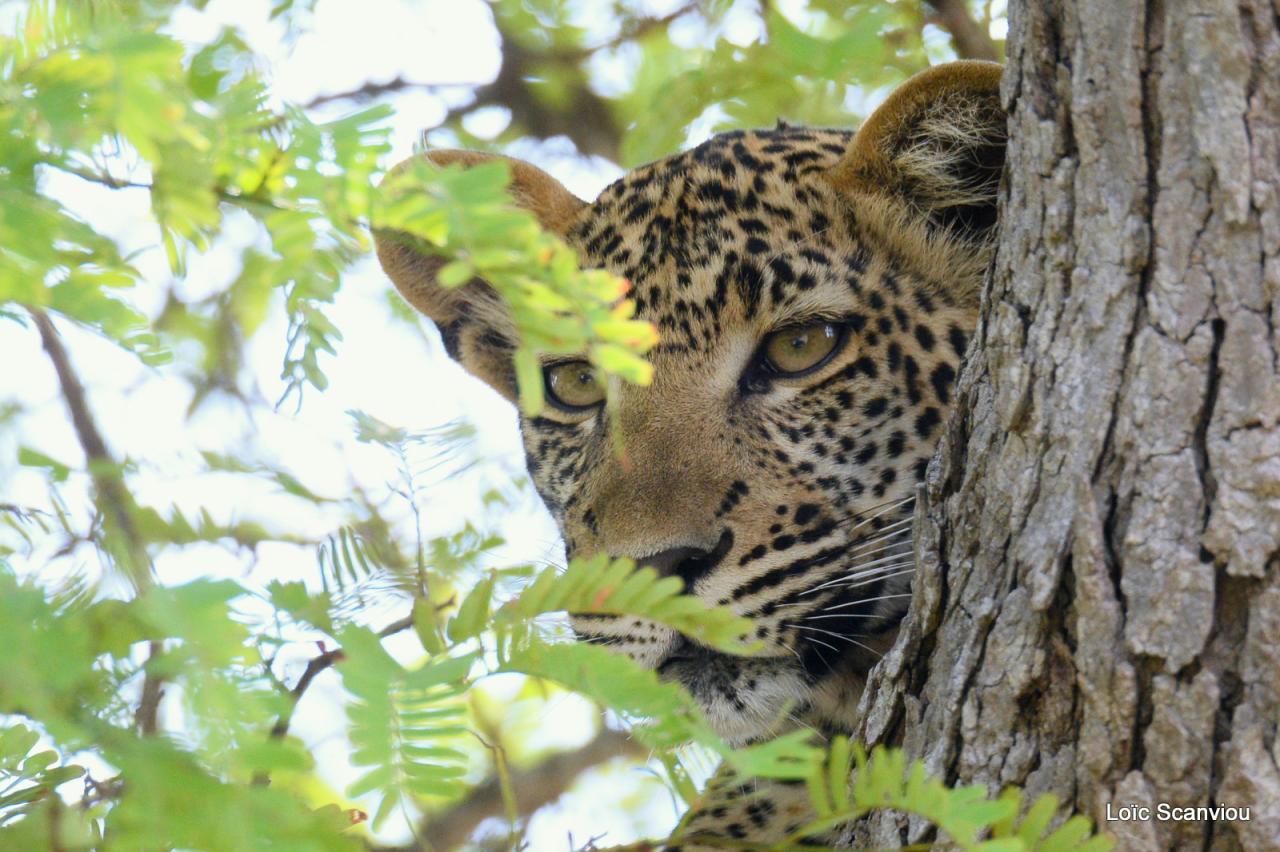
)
(814, 292)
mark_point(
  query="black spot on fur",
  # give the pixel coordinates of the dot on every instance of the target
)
(941, 378)
(927, 422)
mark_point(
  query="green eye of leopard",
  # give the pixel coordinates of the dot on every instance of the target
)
(798, 350)
(572, 385)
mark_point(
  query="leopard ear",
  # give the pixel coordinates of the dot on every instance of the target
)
(474, 323)
(937, 144)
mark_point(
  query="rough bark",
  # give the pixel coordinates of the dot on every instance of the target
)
(1097, 606)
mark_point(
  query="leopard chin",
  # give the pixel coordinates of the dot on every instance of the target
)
(745, 699)
(750, 699)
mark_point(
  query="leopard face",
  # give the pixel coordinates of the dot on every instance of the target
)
(814, 292)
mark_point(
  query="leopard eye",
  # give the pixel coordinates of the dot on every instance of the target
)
(572, 385)
(798, 350)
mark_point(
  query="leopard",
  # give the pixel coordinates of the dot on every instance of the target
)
(815, 292)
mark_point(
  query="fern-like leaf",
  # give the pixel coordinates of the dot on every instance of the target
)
(402, 722)
(618, 683)
(615, 587)
(849, 784)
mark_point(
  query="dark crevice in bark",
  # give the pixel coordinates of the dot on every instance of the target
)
(1145, 668)
(1063, 603)
(1201, 445)
(1230, 600)
(1109, 534)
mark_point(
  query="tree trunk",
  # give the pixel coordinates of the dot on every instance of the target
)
(1097, 610)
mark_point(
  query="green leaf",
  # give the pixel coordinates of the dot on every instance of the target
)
(425, 625)
(455, 274)
(473, 615)
(619, 588)
(15, 742)
(294, 599)
(28, 457)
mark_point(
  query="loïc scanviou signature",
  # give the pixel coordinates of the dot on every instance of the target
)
(1165, 812)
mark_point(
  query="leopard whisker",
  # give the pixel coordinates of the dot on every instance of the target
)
(860, 518)
(866, 569)
(841, 636)
(858, 602)
(825, 645)
(897, 538)
(883, 504)
(801, 723)
(874, 568)
(794, 653)
(888, 508)
(829, 591)
(878, 575)
(896, 528)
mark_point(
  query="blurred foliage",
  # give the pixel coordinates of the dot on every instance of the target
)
(149, 714)
(701, 66)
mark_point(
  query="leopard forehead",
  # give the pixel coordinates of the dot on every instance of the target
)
(722, 244)
(750, 212)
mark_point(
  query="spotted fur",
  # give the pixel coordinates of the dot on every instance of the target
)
(788, 499)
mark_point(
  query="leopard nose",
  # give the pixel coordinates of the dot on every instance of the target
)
(689, 563)
(666, 562)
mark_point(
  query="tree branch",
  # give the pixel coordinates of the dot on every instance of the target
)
(638, 29)
(147, 716)
(114, 501)
(319, 663)
(371, 89)
(967, 35)
(315, 666)
(534, 788)
(224, 194)
(631, 31)
(582, 115)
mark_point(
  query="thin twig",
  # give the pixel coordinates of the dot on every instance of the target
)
(147, 715)
(319, 663)
(315, 665)
(113, 497)
(114, 501)
(100, 791)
